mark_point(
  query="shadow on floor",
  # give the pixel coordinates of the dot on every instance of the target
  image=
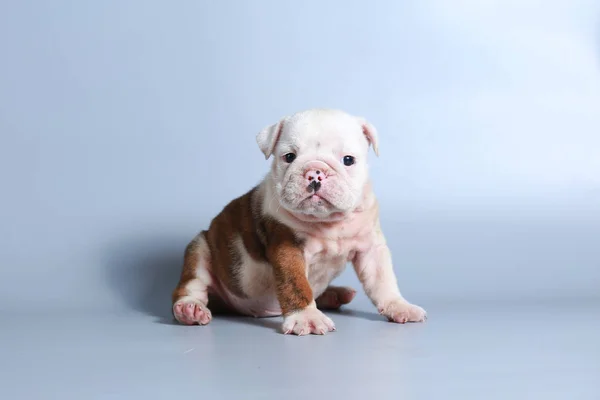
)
(273, 323)
(144, 272)
(346, 311)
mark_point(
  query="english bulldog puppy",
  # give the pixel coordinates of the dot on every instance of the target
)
(275, 250)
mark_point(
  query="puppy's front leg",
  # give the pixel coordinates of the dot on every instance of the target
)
(375, 271)
(294, 293)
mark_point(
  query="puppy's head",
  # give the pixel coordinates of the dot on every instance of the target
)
(320, 160)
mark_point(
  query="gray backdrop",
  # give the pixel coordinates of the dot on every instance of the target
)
(125, 126)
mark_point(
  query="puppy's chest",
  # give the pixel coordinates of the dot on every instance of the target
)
(335, 246)
(326, 259)
(325, 251)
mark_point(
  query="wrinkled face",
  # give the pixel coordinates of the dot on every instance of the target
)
(320, 162)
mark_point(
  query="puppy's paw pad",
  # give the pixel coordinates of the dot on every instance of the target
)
(307, 321)
(402, 312)
(190, 312)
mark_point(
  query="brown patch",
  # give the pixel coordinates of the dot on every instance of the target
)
(285, 254)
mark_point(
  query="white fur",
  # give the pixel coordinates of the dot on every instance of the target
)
(319, 139)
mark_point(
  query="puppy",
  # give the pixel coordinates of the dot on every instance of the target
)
(275, 250)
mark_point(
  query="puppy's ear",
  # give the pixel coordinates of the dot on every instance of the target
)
(268, 137)
(370, 133)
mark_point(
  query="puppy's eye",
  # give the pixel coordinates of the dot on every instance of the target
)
(348, 160)
(289, 157)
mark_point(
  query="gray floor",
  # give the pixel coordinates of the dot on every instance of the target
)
(483, 351)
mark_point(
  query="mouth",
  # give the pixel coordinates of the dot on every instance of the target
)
(317, 200)
(314, 204)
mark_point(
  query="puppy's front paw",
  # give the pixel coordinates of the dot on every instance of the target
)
(189, 311)
(401, 311)
(309, 320)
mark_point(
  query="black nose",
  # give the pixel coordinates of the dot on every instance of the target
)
(314, 186)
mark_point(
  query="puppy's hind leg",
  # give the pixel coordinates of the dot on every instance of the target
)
(334, 297)
(190, 298)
